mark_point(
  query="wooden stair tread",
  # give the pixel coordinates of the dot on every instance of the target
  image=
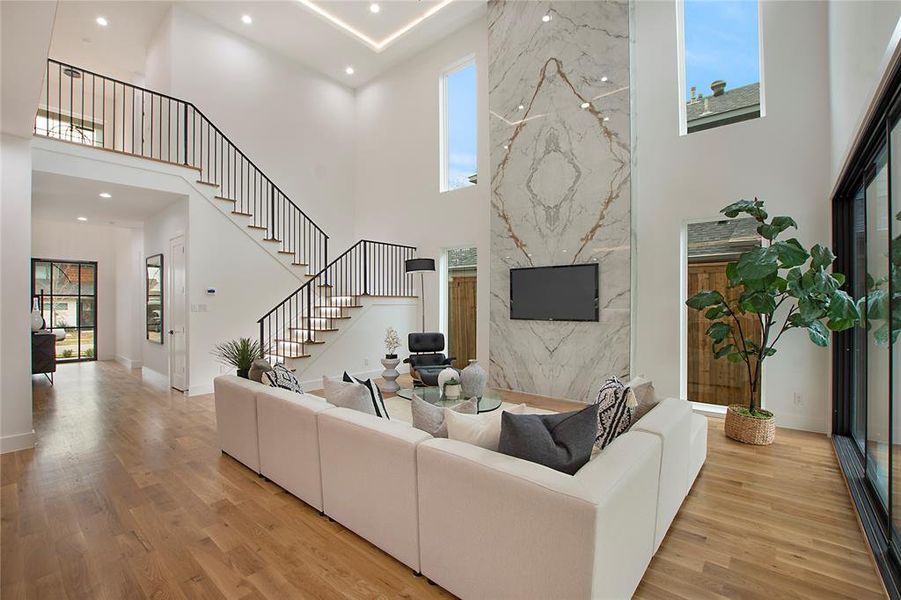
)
(285, 251)
(258, 227)
(284, 341)
(293, 356)
(297, 264)
(224, 198)
(272, 240)
(210, 183)
(243, 214)
(313, 329)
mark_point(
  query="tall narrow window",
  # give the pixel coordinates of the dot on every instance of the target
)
(720, 60)
(458, 126)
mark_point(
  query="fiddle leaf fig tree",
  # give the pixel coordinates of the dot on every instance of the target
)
(784, 285)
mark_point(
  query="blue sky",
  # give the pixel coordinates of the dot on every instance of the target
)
(720, 43)
(461, 125)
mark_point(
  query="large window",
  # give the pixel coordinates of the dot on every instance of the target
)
(458, 126)
(867, 359)
(720, 63)
(67, 291)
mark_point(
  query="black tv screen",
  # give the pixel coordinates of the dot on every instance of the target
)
(562, 293)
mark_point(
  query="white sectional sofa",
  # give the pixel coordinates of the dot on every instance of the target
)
(479, 523)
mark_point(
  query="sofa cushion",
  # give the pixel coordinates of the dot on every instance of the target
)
(378, 403)
(482, 430)
(354, 396)
(281, 377)
(430, 418)
(645, 395)
(614, 414)
(561, 441)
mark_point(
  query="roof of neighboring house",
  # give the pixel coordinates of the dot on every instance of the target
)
(461, 257)
(719, 238)
(740, 97)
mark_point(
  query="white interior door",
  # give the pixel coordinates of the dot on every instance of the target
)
(177, 294)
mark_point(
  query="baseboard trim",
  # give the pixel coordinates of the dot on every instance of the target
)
(316, 384)
(200, 390)
(19, 441)
(129, 363)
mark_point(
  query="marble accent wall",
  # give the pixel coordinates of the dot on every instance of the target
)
(560, 185)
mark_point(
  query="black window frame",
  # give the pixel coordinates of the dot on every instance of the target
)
(35, 293)
(875, 518)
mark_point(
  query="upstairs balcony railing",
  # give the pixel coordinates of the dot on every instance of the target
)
(367, 268)
(86, 108)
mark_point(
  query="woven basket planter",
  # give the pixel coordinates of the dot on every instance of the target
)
(750, 430)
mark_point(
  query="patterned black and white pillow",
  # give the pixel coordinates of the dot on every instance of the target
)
(614, 412)
(378, 403)
(281, 377)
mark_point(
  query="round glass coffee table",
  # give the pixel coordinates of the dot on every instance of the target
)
(488, 402)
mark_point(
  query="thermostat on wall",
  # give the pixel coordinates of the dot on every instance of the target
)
(211, 291)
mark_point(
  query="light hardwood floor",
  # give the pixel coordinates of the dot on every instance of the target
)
(127, 496)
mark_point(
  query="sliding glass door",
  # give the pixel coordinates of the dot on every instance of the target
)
(867, 359)
(67, 293)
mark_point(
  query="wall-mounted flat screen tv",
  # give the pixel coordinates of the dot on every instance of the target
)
(559, 293)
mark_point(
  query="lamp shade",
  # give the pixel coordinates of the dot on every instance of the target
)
(419, 265)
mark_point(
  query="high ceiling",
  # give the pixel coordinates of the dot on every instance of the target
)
(325, 35)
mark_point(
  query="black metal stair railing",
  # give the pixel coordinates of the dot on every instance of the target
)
(368, 268)
(90, 109)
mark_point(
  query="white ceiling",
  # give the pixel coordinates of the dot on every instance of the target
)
(298, 29)
(62, 198)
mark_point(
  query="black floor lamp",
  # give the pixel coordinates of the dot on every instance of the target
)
(420, 265)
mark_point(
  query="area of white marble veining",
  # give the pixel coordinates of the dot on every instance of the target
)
(560, 167)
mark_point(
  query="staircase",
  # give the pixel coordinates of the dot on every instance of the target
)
(85, 108)
(307, 317)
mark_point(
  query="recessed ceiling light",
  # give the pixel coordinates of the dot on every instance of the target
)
(546, 18)
(349, 70)
(586, 104)
(506, 147)
(105, 195)
(246, 19)
(606, 118)
(374, 8)
(82, 218)
(102, 21)
(520, 107)
(604, 78)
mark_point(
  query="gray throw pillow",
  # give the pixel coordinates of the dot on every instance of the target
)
(430, 418)
(354, 396)
(644, 394)
(259, 366)
(561, 441)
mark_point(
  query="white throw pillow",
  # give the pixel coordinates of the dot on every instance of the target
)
(482, 430)
(645, 395)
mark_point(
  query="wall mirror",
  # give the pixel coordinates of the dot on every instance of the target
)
(154, 299)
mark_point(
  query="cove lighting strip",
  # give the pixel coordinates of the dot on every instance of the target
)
(377, 46)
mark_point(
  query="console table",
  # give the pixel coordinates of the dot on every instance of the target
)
(43, 353)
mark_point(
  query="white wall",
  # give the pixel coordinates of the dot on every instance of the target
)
(84, 241)
(296, 125)
(130, 329)
(783, 158)
(170, 222)
(16, 430)
(861, 35)
(396, 177)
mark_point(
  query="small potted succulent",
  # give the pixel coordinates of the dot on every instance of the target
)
(453, 389)
(239, 353)
(392, 342)
(784, 286)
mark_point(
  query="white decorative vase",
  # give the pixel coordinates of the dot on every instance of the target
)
(473, 380)
(452, 392)
(446, 375)
(37, 321)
